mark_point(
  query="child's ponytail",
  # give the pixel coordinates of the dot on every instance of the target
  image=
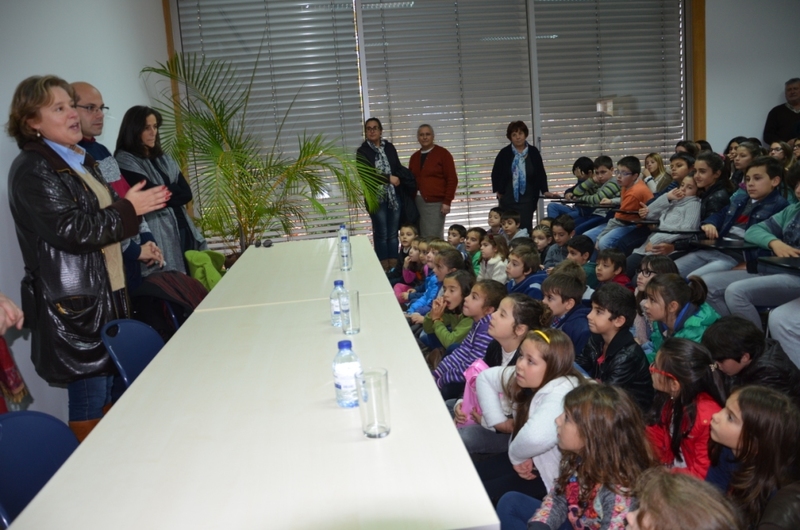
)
(673, 288)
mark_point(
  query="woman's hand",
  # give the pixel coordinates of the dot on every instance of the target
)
(782, 250)
(146, 201)
(506, 427)
(150, 254)
(526, 470)
(710, 231)
(394, 181)
(458, 415)
(437, 309)
(552, 195)
(10, 314)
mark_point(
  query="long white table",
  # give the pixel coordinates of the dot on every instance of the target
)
(234, 425)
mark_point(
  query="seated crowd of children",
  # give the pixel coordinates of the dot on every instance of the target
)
(618, 351)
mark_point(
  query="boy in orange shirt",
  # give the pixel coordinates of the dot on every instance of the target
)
(634, 193)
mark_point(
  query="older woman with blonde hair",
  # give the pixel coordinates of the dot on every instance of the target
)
(69, 225)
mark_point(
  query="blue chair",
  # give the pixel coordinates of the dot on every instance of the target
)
(33, 445)
(132, 345)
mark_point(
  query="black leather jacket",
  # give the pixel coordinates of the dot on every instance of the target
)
(625, 366)
(772, 369)
(783, 510)
(66, 294)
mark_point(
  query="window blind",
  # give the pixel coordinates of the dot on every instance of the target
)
(460, 66)
(611, 79)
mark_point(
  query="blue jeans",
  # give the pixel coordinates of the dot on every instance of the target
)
(88, 396)
(582, 224)
(613, 238)
(385, 224)
(515, 510)
(554, 209)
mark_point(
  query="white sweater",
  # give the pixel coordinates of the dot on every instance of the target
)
(494, 269)
(537, 439)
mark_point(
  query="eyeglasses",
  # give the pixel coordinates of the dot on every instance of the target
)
(93, 109)
(774, 149)
(619, 173)
(370, 129)
(645, 273)
(654, 370)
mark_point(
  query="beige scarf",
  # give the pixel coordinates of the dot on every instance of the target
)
(113, 252)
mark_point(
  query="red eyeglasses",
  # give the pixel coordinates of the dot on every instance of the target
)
(654, 370)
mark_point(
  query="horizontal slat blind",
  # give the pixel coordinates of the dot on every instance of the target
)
(464, 67)
(452, 65)
(308, 54)
(624, 53)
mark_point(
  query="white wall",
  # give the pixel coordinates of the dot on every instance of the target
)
(751, 51)
(103, 42)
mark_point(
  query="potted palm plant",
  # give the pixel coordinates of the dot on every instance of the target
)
(246, 188)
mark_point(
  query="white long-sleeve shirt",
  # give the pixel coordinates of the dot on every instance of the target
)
(537, 439)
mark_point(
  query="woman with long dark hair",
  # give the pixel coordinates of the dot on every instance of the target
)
(140, 158)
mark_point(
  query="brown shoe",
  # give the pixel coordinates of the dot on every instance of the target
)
(81, 429)
(434, 357)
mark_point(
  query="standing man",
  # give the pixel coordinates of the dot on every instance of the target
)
(142, 247)
(435, 171)
(783, 121)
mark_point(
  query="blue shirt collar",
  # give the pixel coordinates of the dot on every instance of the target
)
(74, 158)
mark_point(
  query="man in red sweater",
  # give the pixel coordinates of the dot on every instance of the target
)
(435, 171)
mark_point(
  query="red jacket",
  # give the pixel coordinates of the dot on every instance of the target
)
(694, 447)
(437, 179)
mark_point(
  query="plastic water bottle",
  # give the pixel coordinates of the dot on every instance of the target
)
(346, 367)
(336, 310)
(343, 233)
(345, 259)
(344, 308)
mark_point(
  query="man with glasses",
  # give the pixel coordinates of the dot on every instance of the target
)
(783, 121)
(142, 247)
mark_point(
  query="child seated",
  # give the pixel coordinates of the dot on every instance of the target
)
(472, 246)
(445, 324)
(562, 293)
(761, 201)
(677, 308)
(612, 355)
(456, 235)
(542, 235)
(523, 262)
(563, 229)
(483, 300)
(495, 221)
(511, 228)
(689, 392)
(678, 214)
(583, 169)
(444, 262)
(580, 250)
(494, 256)
(634, 193)
(746, 358)
(431, 248)
(649, 268)
(601, 189)
(414, 271)
(610, 267)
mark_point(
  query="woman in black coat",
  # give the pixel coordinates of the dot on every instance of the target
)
(518, 175)
(69, 224)
(382, 155)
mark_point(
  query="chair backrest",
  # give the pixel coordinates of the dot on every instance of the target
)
(33, 445)
(132, 345)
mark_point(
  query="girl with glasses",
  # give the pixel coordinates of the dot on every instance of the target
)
(651, 266)
(689, 392)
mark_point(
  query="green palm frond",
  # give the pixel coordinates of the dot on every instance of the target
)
(246, 190)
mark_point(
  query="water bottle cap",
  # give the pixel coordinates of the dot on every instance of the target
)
(345, 345)
(338, 283)
(342, 226)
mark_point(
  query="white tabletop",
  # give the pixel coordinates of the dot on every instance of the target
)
(299, 270)
(234, 425)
